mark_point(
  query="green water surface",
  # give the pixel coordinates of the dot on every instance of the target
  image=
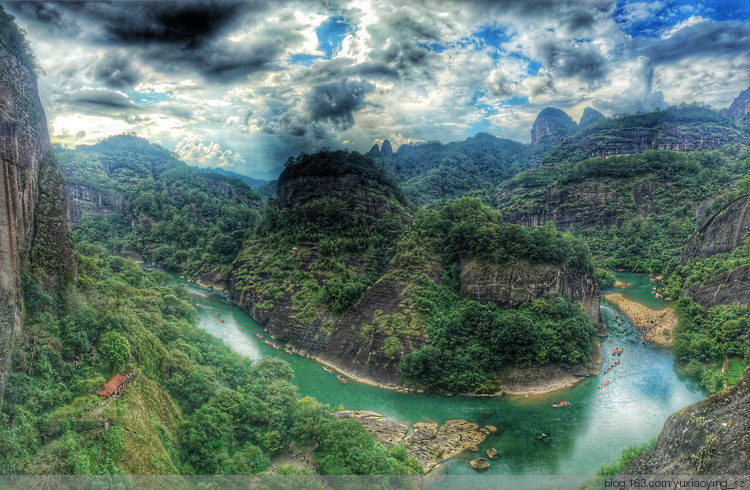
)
(644, 390)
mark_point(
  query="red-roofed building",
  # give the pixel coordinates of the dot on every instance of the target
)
(112, 385)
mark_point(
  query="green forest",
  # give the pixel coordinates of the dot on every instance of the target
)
(196, 407)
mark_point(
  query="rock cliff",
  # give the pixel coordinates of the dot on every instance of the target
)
(707, 438)
(551, 127)
(85, 199)
(727, 288)
(740, 108)
(509, 285)
(591, 202)
(682, 129)
(35, 233)
(722, 232)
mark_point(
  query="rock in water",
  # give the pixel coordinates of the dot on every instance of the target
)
(491, 428)
(480, 464)
(492, 453)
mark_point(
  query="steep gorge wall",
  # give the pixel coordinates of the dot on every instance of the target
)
(84, 199)
(509, 285)
(350, 342)
(707, 438)
(34, 225)
(722, 232)
(585, 204)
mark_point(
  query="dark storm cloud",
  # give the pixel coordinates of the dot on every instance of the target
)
(168, 35)
(220, 61)
(581, 60)
(335, 102)
(100, 98)
(728, 38)
(116, 71)
(182, 22)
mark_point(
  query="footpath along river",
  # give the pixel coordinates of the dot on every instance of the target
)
(643, 391)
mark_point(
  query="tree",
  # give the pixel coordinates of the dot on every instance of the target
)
(115, 349)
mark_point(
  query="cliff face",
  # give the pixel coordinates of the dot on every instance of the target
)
(708, 438)
(740, 107)
(509, 285)
(588, 203)
(722, 232)
(677, 129)
(727, 288)
(86, 199)
(34, 226)
(552, 126)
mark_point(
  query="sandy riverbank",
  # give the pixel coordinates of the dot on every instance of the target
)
(656, 325)
(546, 379)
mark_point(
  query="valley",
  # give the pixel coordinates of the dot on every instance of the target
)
(574, 306)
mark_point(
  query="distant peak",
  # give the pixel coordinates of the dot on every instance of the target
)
(589, 117)
(553, 125)
(386, 150)
(374, 151)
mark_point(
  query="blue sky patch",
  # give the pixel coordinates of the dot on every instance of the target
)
(303, 59)
(145, 98)
(492, 36)
(648, 19)
(330, 34)
(515, 101)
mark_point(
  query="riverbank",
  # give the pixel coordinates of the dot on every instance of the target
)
(655, 325)
(538, 380)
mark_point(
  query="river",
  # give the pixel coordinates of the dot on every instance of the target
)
(644, 390)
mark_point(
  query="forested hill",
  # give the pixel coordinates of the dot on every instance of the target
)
(435, 171)
(345, 270)
(135, 197)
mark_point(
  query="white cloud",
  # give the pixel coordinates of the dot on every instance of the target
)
(192, 150)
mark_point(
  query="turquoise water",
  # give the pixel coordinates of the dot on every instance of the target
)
(640, 289)
(644, 390)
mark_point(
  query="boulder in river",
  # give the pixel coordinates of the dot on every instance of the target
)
(480, 464)
(491, 428)
(492, 453)
(429, 443)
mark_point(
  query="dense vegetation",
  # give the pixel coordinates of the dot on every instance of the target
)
(675, 184)
(195, 407)
(467, 342)
(344, 248)
(436, 172)
(704, 339)
(186, 219)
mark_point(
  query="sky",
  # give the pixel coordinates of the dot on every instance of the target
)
(244, 85)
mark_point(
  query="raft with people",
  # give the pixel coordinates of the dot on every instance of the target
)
(260, 336)
(342, 379)
(199, 305)
(327, 369)
(604, 384)
(560, 404)
(289, 350)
